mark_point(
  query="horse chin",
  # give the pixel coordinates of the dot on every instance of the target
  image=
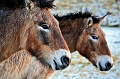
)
(57, 60)
(104, 63)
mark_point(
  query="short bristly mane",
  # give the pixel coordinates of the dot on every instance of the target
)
(13, 4)
(44, 3)
(77, 15)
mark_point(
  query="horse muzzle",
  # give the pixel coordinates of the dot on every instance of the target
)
(61, 60)
(65, 63)
(104, 63)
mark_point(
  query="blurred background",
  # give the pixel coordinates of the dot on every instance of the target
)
(80, 67)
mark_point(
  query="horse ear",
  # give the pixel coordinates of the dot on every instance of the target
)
(89, 22)
(101, 18)
(29, 4)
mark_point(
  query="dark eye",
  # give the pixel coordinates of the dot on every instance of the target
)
(45, 26)
(94, 37)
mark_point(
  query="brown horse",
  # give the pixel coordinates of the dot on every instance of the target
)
(31, 43)
(83, 33)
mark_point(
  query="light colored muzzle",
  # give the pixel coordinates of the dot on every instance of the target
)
(104, 62)
(61, 59)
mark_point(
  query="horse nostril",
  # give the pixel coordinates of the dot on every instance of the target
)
(65, 61)
(108, 65)
(100, 67)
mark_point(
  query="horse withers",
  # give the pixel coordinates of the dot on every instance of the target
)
(83, 33)
(31, 43)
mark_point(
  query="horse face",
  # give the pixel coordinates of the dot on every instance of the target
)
(92, 45)
(46, 42)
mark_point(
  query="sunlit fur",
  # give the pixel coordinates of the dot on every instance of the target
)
(78, 28)
(26, 51)
(22, 65)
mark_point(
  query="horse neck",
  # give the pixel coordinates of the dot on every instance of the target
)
(22, 65)
(71, 29)
(11, 31)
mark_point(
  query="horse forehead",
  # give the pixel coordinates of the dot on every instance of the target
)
(48, 15)
(53, 23)
(96, 28)
(100, 31)
(45, 16)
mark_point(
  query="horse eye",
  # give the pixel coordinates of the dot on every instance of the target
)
(94, 37)
(45, 26)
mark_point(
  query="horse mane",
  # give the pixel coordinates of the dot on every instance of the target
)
(13, 4)
(77, 15)
(44, 3)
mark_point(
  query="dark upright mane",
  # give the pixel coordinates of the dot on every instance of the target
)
(12, 4)
(77, 15)
(44, 3)
(95, 19)
(73, 16)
